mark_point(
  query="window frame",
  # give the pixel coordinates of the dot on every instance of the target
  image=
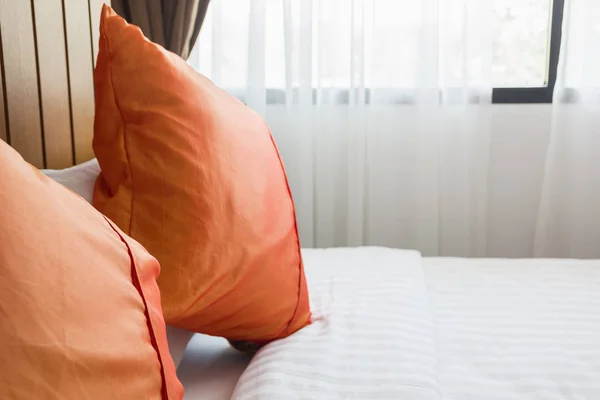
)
(500, 95)
(544, 94)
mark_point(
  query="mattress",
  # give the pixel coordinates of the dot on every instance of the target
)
(391, 325)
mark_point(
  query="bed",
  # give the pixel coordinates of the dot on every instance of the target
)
(387, 323)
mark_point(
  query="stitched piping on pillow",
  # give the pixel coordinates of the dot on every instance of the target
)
(135, 280)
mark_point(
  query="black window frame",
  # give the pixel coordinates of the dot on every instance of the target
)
(523, 95)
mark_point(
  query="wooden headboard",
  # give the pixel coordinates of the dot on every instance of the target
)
(47, 53)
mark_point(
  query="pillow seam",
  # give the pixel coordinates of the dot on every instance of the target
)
(123, 123)
(137, 284)
(285, 331)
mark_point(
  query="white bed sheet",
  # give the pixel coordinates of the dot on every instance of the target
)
(210, 368)
(390, 325)
(516, 329)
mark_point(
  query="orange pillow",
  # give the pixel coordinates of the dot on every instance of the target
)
(193, 175)
(79, 305)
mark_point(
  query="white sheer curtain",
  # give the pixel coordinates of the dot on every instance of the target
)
(569, 219)
(381, 111)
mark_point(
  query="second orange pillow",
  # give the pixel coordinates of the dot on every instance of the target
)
(193, 174)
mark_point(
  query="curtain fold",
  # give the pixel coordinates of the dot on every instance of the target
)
(569, 217)
(382, 113)
(174, 24)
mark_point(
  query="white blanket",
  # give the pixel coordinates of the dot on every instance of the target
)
(389, 326)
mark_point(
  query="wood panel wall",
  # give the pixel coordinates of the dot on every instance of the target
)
(47, 54)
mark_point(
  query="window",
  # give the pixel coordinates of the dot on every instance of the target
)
(525, 37)
(526, 50)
